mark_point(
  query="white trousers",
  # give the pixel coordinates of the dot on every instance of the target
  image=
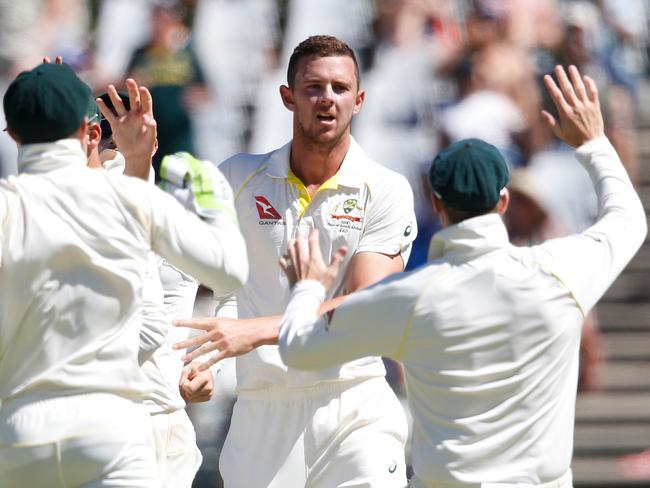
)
(176, 452)
(344, 434)
(93, 440)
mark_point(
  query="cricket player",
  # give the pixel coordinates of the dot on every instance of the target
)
(488, 332)
(341, 425)
(169, 292)
(74, 247)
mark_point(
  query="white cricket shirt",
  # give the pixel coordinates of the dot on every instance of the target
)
(488, 334)
(74, 249)
(365, 207)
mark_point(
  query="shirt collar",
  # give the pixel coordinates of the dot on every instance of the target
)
(470, 238)
(350, 174)
(48, 156)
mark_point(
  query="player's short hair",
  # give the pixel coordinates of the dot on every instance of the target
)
(320, 47)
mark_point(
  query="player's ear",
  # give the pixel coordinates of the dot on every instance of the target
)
(439, 209)
(361, 96)
(13, 135)
(504, 200)
(94, 135)
(287, 97)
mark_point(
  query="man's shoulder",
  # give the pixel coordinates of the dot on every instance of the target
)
(240, 167)
(381, 179)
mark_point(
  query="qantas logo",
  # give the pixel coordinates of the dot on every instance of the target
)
(265, 209)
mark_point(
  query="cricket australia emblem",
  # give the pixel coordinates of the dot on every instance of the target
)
(346, 214)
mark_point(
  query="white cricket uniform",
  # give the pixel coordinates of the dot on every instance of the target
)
(169, 295)
(299, 428)
(488, 334)
(74, 251)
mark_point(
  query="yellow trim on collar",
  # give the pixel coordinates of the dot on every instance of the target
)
(304, 199)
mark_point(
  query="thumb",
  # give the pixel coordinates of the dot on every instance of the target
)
(189, 372)
(551, 123)
(338, 258)
(196, 384)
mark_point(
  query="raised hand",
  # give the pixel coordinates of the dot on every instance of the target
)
(134, 130)
(304, 261)
(576, 100)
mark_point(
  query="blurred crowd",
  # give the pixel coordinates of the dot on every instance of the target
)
(434, 71)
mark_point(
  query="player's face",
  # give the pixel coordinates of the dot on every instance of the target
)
(324, 98)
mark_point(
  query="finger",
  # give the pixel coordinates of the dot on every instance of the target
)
(106, 112)
(556, 95)
(578, 85)
(146, 101)
(197, 384)
(314, 246)
(550, 122)
(195, 341)
(592, 89)
(116, 100)
(339, 255)
(199, 351)
(46, 60)
(336, 260)
(134, 94)
(187, 374)
(565, 85)
(285, 264)
(201, 323)
(213, 360)
(58, 60)
(293, 256)
(289, 271)
(302, 250)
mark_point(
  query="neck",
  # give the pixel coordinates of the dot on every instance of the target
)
(94, 161)
(314, 164)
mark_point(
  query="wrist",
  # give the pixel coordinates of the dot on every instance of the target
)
(267, 331)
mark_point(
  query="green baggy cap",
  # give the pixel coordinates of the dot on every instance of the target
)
(469, 175)
(46, 104)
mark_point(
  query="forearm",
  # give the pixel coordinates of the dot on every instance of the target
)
(137, 165)
(301, 341)
(267, 329)
(589, 262)
(216, 254)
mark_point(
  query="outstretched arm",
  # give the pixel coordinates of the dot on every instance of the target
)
(234, 337)
(588, 263)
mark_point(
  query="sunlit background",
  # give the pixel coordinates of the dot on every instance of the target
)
(434, 71)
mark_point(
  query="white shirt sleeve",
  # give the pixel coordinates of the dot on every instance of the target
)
(390, 220)
(3, 216)
(588, 263)
(371, 322)
(213, 251)
(155, 324)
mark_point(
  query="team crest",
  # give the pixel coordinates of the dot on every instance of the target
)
(349, 205)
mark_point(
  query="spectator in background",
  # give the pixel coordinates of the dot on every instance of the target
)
(497, 99)
(583, 45)
(168, 65)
